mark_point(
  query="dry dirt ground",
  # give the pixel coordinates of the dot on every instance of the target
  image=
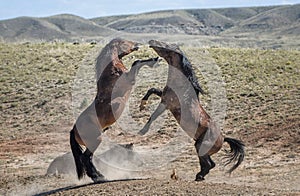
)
(35, 128)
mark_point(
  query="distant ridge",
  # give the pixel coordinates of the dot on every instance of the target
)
(222, 24)
(78, 26)
(64, 27)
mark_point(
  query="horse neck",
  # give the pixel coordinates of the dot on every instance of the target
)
(116, 62)
(108, 60)
(175, 72)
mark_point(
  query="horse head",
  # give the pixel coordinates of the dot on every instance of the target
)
(176, 58)
(165, 50)
(111, 55)
(123, 47)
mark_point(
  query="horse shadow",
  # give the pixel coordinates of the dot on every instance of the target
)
(67, 188)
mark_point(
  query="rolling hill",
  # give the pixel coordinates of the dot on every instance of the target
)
(59, 27)
(242, 26)
(28, 28)
(274, 21)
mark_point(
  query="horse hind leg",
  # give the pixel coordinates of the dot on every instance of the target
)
(206, 164)
(90, 169)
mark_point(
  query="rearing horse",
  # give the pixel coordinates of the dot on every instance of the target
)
(114, 84)
(180, 96)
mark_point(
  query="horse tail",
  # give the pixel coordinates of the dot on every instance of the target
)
(77, 154)
(236, 153)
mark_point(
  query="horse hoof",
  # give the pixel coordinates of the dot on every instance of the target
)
(99, 179)
(141, 133)
(142, 105)
(199, 178)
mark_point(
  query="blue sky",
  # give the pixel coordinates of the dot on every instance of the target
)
(96, 8)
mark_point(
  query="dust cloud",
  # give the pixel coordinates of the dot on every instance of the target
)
(114, 161)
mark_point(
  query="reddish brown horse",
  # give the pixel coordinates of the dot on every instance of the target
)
(114, 84)
(180, 96)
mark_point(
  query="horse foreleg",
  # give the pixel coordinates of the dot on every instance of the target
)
(148, 94)
(137, 65)
(159, 110)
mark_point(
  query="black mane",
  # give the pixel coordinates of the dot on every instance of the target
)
(190, 74)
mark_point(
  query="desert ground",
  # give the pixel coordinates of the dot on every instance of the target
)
(45, 85)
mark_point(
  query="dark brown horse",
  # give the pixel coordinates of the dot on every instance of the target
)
(114, 84)
(180, 96)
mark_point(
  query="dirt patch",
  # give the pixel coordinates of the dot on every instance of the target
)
(166, 187)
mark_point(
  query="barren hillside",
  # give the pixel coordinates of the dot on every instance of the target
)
(264, 27)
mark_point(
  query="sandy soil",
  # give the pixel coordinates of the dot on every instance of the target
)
(264, 172)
